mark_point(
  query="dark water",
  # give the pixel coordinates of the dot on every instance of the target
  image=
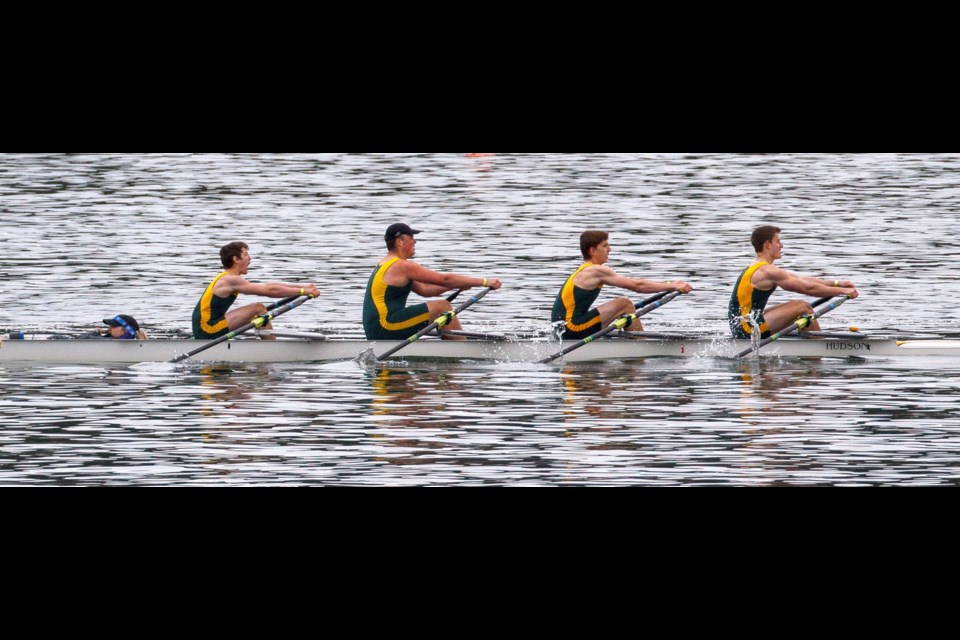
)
(85, 237)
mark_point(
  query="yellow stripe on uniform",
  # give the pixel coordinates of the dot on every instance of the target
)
(745, 297)
(570, 304)
(379, 291)
(205, 309)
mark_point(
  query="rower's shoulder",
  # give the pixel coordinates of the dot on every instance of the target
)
(231, 279)
(765, 268)
(770, 269)
(597, 270)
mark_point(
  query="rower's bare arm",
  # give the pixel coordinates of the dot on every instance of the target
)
(641, 285)
(806, 285)
(277, 289)
(428, 290)
(839, 287)
(445, 281)
(832, 283)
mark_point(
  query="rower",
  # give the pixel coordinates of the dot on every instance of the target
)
(123, 327)
(385, 314)
(211, 318)
(572, 305)
(758, 281)
(119, 327)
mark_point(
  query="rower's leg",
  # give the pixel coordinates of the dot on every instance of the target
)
(783, 315)
(243, 315)
(438, 307)
(610, 311)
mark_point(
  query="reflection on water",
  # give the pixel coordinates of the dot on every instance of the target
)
(139, 234)
(654, 422)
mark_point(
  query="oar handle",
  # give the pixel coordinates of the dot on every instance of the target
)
(259, 321)
(652, 298)
(280, 303)
(441, 320)
(656, 302)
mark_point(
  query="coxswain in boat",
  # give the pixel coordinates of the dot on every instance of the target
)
(119, 327)
(572, 306)
(123, 327)
(385, 314)
(211, 318)
(757, 282)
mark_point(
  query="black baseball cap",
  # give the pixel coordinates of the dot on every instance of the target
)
(397, 229)
(115, 321)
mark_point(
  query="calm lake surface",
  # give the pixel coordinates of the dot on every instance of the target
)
(89, 236)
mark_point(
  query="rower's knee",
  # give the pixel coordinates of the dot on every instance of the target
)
(259, 307)
(624, 305)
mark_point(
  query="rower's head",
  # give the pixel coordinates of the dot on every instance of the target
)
(764, 234)
(233, 253)
(123, 327)
(399, 238)
(595, 245)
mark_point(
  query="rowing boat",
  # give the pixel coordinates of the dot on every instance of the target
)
(323, 348)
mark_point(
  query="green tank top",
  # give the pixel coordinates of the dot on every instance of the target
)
(209, 314)
(572, 303)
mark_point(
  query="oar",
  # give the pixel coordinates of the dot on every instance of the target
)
(473, 334)
(799, 323)
(280, 303)
(441, 320)
(652, 298)
(453, 295)
(259, 321)
(658, 300)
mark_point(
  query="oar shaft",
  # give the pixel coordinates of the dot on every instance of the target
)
(647, 308)
(260, 320)
(439, 322)
(652, 298)
(280, 303)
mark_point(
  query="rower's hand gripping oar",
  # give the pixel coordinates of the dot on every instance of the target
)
(644, 307)
(441, 320)
(257, 322)
(799, 323)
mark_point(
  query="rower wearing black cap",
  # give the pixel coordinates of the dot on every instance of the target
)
(385, 314)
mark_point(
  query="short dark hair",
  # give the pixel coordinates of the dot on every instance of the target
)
(230, 251)
(590, 239)
(763, 234)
